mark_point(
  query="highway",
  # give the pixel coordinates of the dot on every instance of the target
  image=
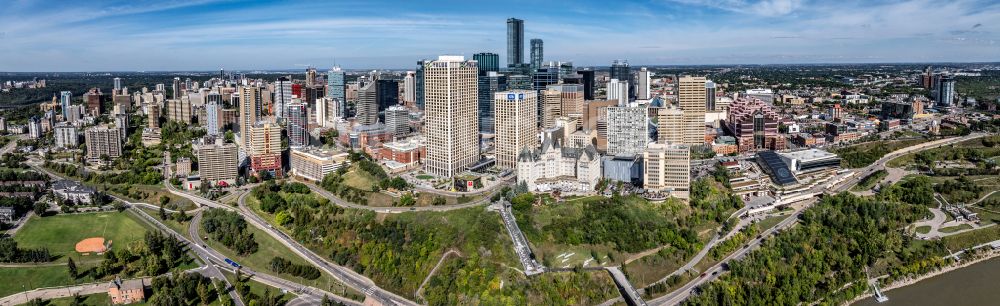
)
(347, 276)
(211, 270)
(679, 295)
(217, 260)
(344, 275)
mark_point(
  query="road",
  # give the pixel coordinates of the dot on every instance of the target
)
(216, 259)
(211, 270)
(342, 203)
(344, 275)
(713, 272)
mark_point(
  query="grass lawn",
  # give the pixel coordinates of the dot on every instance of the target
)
(60, 233)
(12, 279)
(924, 229)
(359, 179)
(971, 238)
(648, 269)
(952, 229)
(771, 221)
(268, 248)
(93, 299)
(424, 177)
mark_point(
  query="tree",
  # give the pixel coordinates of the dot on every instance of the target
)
(163, 213)
(71, 267)
(230, 137)
(282, 218)
(203, 293)
(40, 208)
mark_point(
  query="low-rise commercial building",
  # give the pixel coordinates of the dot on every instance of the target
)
(314, 164)
(810, 160)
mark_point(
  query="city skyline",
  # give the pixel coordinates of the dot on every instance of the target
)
(208, 35)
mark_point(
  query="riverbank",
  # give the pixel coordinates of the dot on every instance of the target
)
(977, 258)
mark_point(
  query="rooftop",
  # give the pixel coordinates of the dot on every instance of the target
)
(809, 154)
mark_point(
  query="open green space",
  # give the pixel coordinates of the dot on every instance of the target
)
(771, 221)
(977, 154)
(971, 238)
(923, 229)
(952, 229)
(269, 248)
(93, 299)
(398, 251)
(825, 256)
(865, 154)
(60, 233)
(14, 280)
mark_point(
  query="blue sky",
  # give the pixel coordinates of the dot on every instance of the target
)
(101, 35)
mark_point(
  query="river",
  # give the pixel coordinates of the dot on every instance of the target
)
(973, 285)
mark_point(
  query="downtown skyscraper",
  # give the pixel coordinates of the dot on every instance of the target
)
(515, 42)
(691, 98)
(515, 125)
(65, 98)
(282, 96)
(537, 54)
(621, 71)
(250, 105)
(490, 81)
(298, 119)
(451, 123)
(335, 83)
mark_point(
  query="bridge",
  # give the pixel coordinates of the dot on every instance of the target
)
(632, 297)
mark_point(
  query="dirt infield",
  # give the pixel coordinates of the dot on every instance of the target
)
(92, 245)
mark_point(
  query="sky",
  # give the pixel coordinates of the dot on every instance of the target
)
(148, 35)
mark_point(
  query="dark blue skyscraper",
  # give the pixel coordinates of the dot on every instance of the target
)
(489, 84)
(587, 79)
(418, 84)
(544, 77)
(515, 41)
(487, 62)
(387, 95)
(621, 71)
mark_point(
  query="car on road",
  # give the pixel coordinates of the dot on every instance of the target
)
(703, 274)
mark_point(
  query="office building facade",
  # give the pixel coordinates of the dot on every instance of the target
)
(628, 132)
(515, 125)
(667, 168)
(451, 124)
(691, 99)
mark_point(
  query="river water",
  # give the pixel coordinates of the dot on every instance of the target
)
(978, 284)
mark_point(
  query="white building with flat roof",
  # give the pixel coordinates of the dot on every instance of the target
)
(314, 163)
(809, 160)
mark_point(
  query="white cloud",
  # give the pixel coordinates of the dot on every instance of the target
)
(769, 8)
